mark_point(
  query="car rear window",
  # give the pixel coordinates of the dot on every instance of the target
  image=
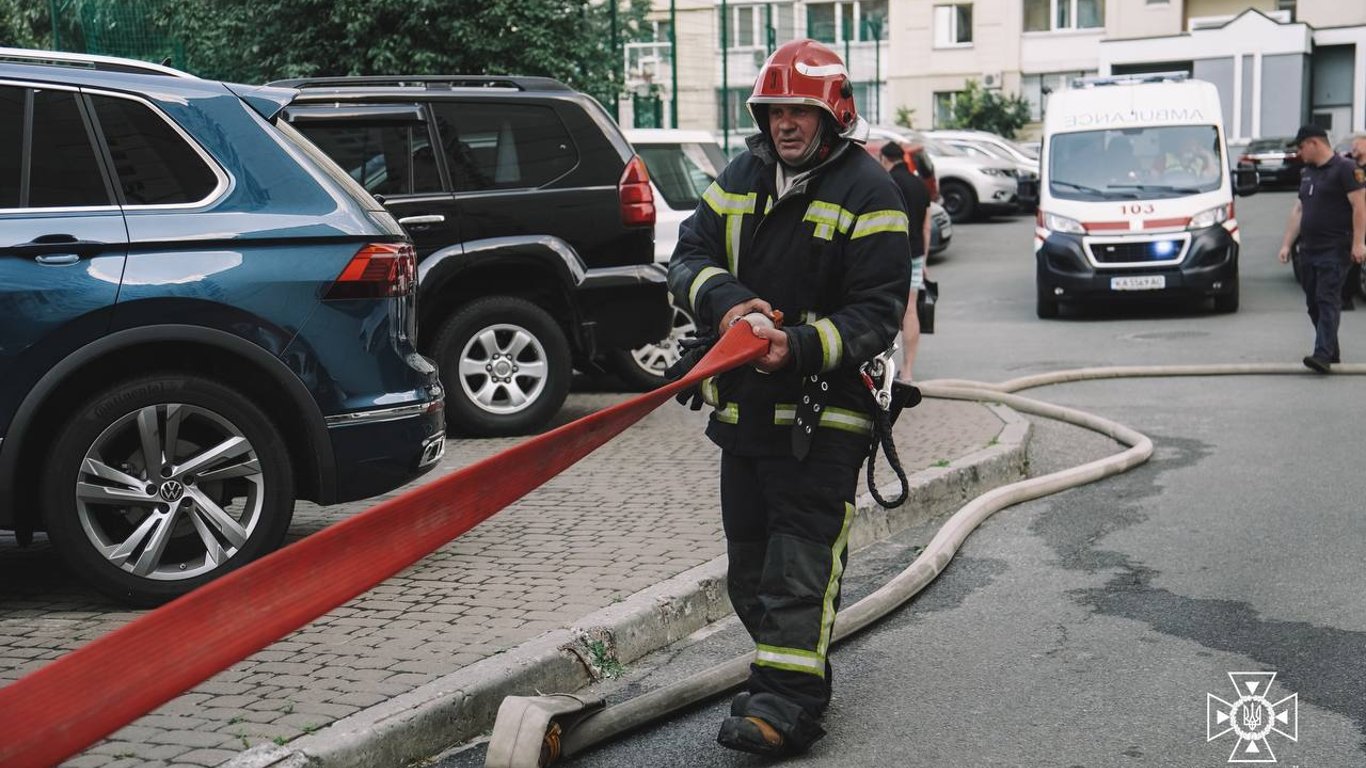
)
(681, 171)
(154, 164)
(63, 171)
(1267, 145)
(11, 144)
(392, 159)
(503, 146)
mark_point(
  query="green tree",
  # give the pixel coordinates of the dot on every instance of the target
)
(258, 40)
(981, 109)
(25, 24)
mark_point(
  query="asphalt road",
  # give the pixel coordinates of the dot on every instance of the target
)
(1087, 629)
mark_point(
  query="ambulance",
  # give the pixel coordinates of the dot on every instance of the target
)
(1136, 194)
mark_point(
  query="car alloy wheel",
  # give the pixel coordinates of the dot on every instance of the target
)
(170, 492)
(503, 368)
(162, 483)
(506, 365)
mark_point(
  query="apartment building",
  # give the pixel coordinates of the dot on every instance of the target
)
(1277, 63)
(722, 45)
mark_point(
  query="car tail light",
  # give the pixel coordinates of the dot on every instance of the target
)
(637, 200)
(377, 271)
(1247, 159)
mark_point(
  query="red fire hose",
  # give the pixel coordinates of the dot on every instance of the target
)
(61, 708)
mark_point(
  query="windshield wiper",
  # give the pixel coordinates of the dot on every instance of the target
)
(1159, 188)
(1079, 187)
(1103, 193)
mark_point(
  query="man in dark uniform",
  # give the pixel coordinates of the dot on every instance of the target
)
(805, 223)
(916, 195)
(1330, 220)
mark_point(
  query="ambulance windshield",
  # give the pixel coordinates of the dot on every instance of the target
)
(1135, 163)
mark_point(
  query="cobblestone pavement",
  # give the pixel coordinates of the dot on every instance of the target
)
(640, 510)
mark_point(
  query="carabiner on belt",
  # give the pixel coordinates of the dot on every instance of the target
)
(878, 375)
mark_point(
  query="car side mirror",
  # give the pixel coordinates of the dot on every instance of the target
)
(1245, 180)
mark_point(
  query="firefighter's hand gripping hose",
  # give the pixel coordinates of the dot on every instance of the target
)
(67, 705)
(518, 739)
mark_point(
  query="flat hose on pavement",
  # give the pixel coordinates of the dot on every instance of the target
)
(596, 727)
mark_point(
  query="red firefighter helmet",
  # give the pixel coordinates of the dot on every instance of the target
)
(805, 72)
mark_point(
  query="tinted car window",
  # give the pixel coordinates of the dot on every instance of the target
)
(64, 171)
(385, 159)
(11, 144)
(681, 171)
(154, 164)
(504, 146)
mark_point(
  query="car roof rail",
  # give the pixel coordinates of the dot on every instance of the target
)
(87, 61)
(430, 82)
(1144, 77)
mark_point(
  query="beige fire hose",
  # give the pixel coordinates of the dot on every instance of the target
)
(531, 732)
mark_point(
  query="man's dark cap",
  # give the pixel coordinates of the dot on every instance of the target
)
(892, 151)
(1308, 132)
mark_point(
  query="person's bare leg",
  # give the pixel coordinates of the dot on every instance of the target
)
(910, 340)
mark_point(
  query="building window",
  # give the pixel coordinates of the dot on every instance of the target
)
(943, 108)
(952, 25)
(1054, 15)
(1286, 5)
(731, 101)
(840, 22)
(1036, 88)
(764, 25)
(744, 27)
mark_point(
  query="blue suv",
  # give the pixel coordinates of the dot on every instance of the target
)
(202, 319)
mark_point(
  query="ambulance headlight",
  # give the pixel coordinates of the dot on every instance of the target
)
(1209, 218)
(1056, 223)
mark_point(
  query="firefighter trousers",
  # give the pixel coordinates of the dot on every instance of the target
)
(787, 530)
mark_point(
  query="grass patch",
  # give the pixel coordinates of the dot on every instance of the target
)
(604, 660)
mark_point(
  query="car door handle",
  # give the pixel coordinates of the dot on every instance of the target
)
(62, 245)
(57, 259)
(412, 221)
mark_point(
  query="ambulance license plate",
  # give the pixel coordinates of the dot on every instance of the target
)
(1139, 283)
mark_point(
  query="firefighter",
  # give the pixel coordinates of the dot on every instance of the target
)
(807, 223)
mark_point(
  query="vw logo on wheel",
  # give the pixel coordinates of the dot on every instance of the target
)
(172, 490)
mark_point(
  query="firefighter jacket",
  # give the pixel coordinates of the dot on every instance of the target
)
(833, 254)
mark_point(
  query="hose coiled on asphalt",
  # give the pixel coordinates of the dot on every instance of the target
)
(602, 725)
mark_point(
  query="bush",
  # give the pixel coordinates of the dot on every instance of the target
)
(978, 108)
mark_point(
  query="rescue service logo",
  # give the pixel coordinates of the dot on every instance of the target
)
(1252, 717)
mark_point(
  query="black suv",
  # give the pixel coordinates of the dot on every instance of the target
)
(533, 221)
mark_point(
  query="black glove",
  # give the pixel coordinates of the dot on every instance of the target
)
(694, 349)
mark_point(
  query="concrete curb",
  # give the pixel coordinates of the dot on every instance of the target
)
(463, 704)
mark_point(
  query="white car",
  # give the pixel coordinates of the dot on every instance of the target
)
(682, 164)
(968, 186)
(990, 146)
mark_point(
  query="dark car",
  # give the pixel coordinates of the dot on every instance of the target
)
(534, 225)
(1276, 163)
(201, 320)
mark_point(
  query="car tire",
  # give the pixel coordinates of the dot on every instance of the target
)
(223, 496)
(1045, 305)
(1227, 303)
(533, 364)
(642, 369)
(960, 201)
